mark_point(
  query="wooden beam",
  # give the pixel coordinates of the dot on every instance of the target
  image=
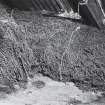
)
(91, 12)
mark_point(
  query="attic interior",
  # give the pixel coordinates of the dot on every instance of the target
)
(52, 52)
(89, 12)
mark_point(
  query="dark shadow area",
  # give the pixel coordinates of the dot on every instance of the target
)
(84, 21)
(7, 3)
(19, 4)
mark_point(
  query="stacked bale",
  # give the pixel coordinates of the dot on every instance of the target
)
(53, 47)
(64, 53)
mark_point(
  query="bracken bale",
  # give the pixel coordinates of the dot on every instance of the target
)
(11, 71)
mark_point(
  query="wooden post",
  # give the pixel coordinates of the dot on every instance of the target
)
(91, 12)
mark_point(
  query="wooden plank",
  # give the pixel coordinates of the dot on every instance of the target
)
(74, 4)
(55, 4)
(66, 5)
(36, 7)
(103, 4)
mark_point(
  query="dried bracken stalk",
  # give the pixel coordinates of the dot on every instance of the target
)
(70, 41)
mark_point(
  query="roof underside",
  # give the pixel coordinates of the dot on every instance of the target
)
(92, 11)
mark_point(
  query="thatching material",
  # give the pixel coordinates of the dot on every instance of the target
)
(65, 52)
(57, 48)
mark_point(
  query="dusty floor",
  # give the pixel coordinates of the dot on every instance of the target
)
(44, 91)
